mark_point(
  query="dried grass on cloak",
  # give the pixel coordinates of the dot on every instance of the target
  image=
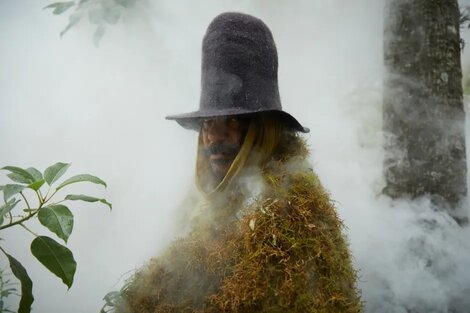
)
(280, 249)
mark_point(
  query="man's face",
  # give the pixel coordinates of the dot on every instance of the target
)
(222, 138)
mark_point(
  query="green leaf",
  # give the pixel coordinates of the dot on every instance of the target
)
(111, 296)
(18, 178)
(37, 185)
(60, 7)
(112, 15)
(35, 173)
(58, 219)
(55, 257)
(38, 179)
(73, 19)
(26, 284)
(88, 199)
(81, 178)
(6, 208)
(19, 175)
(54, 172)
(113, 300)
(11, 190)
(7, 292)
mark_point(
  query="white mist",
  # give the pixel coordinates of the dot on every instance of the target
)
(103, 110)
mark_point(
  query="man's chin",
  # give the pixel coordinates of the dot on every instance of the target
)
(220, 169)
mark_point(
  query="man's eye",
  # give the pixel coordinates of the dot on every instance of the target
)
(230, 122)
(233, 122)
(207, 123)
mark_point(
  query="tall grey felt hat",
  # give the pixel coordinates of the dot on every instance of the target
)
(239, 72)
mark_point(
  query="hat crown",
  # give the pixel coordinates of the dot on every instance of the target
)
(239, 65)
(239, 72)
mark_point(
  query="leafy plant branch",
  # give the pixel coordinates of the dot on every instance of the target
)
(55, 216)
(32, 213)
(7, 288)
(100, 13)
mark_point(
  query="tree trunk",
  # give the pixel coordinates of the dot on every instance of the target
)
(424, 119)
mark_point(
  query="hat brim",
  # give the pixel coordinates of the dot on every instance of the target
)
(192, 120)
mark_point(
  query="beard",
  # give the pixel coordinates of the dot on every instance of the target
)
(221, 156)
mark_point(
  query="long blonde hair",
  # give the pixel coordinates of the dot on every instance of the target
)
(261, 139)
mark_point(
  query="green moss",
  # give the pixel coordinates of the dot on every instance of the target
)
(286, 253)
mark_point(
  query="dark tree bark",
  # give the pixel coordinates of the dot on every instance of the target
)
(423, 115)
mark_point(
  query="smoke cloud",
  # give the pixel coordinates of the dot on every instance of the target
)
(103, 109)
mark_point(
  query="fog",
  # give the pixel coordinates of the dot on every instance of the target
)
(103, 109)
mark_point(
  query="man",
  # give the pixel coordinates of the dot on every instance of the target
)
(264, 236)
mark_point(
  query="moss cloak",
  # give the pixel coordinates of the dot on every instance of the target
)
(282, 251)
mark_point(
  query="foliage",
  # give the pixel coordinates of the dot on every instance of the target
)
(464, 18)
(112, 300)
(7, 288)
(99, 12)
(464, 22)
(54, 215)
(115, 300)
